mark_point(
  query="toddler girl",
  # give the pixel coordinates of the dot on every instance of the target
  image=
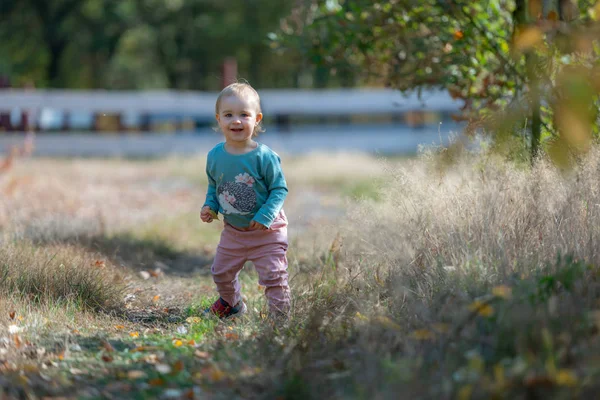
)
(246, 185)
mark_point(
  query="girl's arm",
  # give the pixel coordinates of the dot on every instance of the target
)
(212, 200)
(277, 186)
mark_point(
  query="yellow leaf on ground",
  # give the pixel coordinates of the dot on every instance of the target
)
(481, 308)
(565, 377)
(361, 317)
(502, 291)
(423, 334)
(193, 320)
(134, 334)
(216, 374)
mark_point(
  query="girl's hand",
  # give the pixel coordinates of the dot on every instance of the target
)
(257, 226)
(207, 215)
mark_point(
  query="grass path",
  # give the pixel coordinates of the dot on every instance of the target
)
(475, 283)
(137, 222)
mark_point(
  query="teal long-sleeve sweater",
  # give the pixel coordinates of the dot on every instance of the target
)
(245, 187)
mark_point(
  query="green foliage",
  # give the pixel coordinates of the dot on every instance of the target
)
(529, 63)
(129, 44)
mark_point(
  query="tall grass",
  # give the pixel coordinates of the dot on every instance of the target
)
(480, 282)
(58, 275)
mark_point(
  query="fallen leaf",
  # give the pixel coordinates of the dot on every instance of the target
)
(107, 358)
(163, 368)
(502, 291)
(178, 366)
(214, 373)
(361, 317)
(145, 275)
(177, 343)
(202, 354)
(193, 320)
(156, 298)
(134, 334)
(136, 374)
(565, 377)
(119, 327)
(108, 347)
(481, 308)
(156, 273)
(423, 334)
(156, 382)
(11, 315)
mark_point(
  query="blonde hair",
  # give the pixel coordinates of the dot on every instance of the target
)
(247, 92)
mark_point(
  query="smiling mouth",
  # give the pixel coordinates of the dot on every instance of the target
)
(236, 130)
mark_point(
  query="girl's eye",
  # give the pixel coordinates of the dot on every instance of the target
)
(244, 115)
(228, 115)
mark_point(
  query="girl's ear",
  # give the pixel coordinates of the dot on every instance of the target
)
(218, 117)
(259, 118)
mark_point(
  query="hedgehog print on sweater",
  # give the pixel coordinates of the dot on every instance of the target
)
(238, 197)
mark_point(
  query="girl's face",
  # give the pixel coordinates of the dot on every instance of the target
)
(237, 119)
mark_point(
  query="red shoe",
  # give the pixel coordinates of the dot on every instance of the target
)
(223, 310)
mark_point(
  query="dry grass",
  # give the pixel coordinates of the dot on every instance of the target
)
(478, 282)
(60, 275)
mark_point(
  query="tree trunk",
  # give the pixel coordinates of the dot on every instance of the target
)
(531, 61)
(53, 69)
(522, 18)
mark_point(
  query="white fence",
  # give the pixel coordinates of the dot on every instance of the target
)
(201, 104)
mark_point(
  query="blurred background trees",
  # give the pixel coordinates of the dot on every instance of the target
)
(526, 69)
(140, 44)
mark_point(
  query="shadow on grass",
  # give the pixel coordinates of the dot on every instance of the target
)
(149, 254)
(140, 254)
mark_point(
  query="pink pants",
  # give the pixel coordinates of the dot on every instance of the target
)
(267, 251)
